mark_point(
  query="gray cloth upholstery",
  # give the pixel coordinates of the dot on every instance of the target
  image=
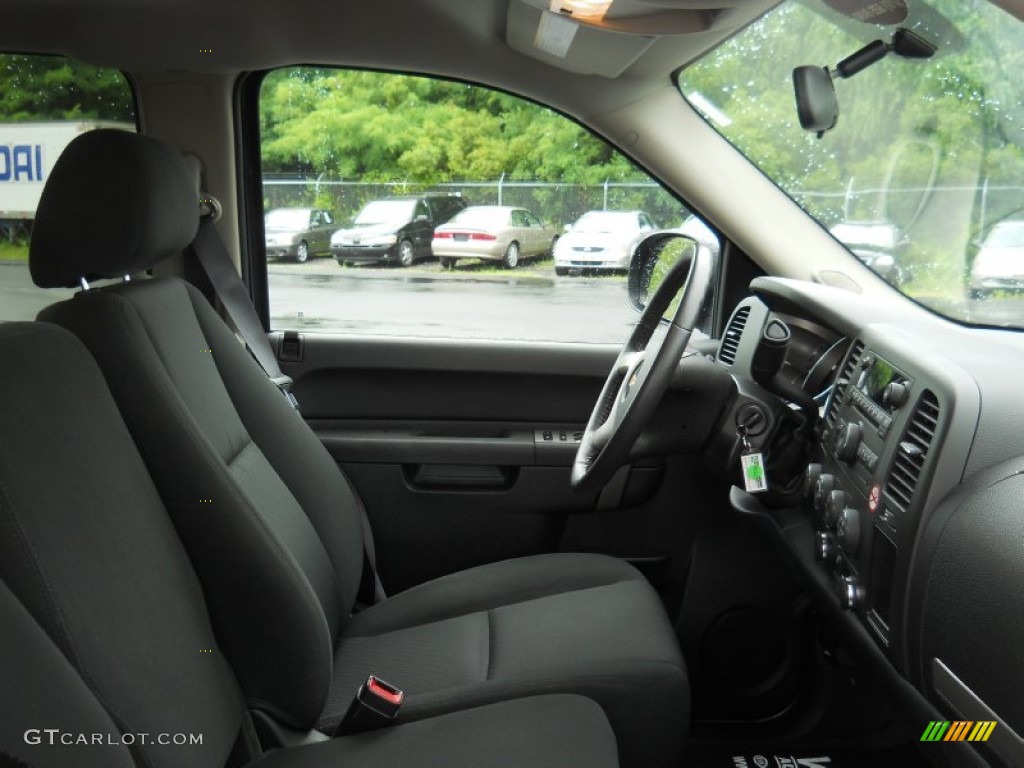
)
(88, 549)
(552, 623)
(42, 690)
(274, 531)
(540, 732)
(115, 203)
(276, 546)
(103, 628)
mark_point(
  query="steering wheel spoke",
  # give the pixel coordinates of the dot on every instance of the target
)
(641, 374)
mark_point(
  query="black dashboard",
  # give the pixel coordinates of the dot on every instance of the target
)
(919, 422)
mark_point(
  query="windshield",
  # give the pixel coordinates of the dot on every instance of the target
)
(284, 218)
(386, 212)
(605, 221)
(927, 156)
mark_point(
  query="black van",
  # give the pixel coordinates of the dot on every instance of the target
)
(395, 229)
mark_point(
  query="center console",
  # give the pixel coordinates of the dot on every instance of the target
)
(878, 427)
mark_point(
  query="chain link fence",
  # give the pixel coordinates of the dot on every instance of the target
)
(557, 204)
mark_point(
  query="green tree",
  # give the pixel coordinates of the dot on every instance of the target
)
(378, 127)
(57, 88)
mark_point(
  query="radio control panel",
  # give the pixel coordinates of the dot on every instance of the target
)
(845, 489)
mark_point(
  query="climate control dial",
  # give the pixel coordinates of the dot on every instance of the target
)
(848, 530)
(847, 442)
(822, 488)
(833, 508)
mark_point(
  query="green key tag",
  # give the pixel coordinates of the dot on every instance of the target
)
(754, 479)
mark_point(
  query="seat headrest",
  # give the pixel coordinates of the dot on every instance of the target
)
(115, 203)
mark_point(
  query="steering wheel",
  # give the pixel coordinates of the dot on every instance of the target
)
(645, 366)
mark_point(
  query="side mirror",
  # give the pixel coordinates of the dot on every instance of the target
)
(652, 261)
(422, 217)
(816, 103)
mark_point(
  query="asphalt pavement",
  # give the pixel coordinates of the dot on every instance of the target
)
(528, 303)
(425, 301)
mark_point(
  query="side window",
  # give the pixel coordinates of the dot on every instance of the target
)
(466, 150)
(327, 218)
(46, 102)
(315, 219)
(421, 210)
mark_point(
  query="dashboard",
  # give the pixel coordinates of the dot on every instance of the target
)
(918, 426)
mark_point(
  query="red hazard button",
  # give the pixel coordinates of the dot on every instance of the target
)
(874, 495)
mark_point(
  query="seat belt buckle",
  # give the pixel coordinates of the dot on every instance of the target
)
(375, 706)
(284, 383)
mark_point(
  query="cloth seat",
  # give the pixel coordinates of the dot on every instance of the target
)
(272, 524)
(553, 623)
(106, 647)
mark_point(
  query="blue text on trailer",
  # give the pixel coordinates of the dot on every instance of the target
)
(21, 162)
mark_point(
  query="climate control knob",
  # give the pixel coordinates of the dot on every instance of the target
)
(825, 547)
(851, 593)
(847, 442)
(810, 478)
(822, 488)
(895, 394)
(848, 530)
(834, 506)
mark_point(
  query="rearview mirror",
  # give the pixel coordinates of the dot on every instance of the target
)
(816, 103)
(652, 261)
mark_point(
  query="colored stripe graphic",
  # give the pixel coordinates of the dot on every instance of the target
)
(958, 730)
(935, 731)
(982, 730)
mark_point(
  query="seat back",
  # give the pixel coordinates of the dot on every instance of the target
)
(270, 523)
(105, 630)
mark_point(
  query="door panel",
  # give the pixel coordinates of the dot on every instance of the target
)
(462, 449)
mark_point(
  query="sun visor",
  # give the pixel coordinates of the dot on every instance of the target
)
(570, 45)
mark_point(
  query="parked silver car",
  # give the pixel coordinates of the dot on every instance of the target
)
(1000, 261)
(602, 240)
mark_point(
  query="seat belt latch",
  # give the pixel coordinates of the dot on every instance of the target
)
(284, 383)
(376, 705)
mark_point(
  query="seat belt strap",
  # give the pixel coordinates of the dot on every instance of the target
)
(369, 549)
(213, 257)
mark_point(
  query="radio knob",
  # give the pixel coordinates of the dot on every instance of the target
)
(833, 507)
(825, 549)
(851, 594)
(895, 394)
(848, 530)
(847, 442)
(822, 489)
(810, 479)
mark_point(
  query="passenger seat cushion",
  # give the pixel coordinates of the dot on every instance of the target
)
(567, 623)
(539, 732)
(492, 586)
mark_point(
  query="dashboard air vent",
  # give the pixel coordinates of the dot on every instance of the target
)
(912, 452)
(731, 339)
(846, 375)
